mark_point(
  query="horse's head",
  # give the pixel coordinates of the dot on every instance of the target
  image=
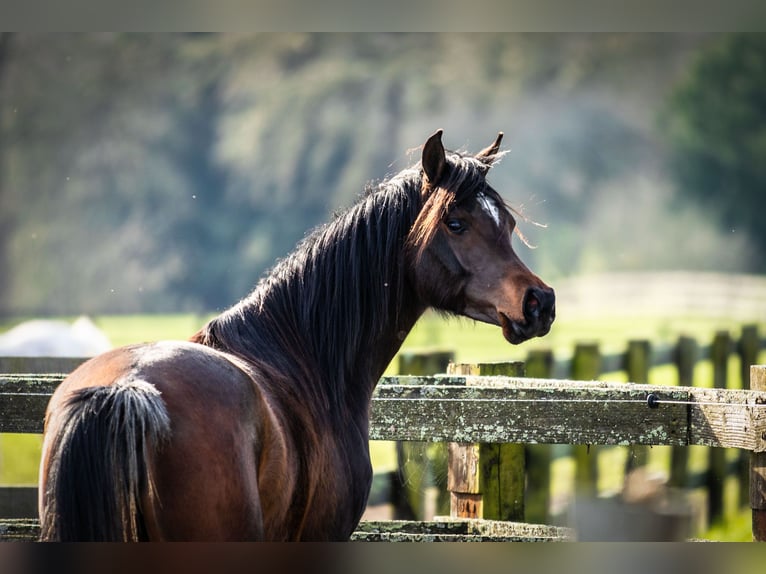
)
(461, 251)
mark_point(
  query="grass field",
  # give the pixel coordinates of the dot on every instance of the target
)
(471, 342)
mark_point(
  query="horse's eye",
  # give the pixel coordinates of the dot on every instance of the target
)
(456, 226)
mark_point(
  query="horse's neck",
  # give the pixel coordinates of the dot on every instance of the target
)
(349, 361)
(336, 327)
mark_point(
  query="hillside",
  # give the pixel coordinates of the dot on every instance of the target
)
(146, 173)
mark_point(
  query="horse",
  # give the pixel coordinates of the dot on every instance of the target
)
(256, 428)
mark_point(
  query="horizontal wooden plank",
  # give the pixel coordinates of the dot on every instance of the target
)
(513, 409)
(387, 531)
(455, 408)
(734, 418)
(23, 399)
(19, 530)
(451, 530)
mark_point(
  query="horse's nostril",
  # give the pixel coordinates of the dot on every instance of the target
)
(538, 303)
(532, 306)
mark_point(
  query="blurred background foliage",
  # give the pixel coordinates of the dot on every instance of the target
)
(165, 173)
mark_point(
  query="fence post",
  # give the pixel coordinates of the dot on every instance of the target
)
(539, 365)
(487, 480)
(748, 348)
(716, 475)
(414, 492)
(686, 354)
(637, 363)
(586, 366)
(758, 467)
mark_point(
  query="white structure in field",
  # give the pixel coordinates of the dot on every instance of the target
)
(48, 338)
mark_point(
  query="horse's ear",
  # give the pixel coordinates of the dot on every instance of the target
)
(487, 155)
(434, 159)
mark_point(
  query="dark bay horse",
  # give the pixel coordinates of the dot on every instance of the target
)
(256, 429)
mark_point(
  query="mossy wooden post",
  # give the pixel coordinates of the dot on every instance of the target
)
(716, 474)
(539, 365)
(748, 348)
(686, 355)
(758, 467)
(415, 460)
(586, 366)
(637, 363)
(487, 480)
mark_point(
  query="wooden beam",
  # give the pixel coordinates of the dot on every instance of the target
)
(486, 480)
(509, 409)
(23, 399)
(758, 465)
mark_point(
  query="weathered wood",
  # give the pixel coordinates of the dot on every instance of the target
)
(23, 399)
(539, 364)
(586, 362)
(416, 494)
(459, 531)
(685, 358)
(516, 409)
(511, 409)
(19, 530)
(28, 530)
(464, 467)
(494, 471)
(586, 366)
(637, 363)
(463, 475)
(502, 465)
(424, 362)
(466, 505)
(503, 469)
(638, 359)
(758, 466)
(748, 348)
(716, 475)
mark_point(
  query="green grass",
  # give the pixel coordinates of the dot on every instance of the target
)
(127, 329)
(471, 342)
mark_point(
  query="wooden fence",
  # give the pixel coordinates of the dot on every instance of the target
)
(587, 363)
(469, 410)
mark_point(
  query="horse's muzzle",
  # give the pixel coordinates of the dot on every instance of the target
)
(539, 313)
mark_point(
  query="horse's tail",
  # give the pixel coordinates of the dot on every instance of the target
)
(99, 472)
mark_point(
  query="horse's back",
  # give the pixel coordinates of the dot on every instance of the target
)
(189, 377)
(216, 422)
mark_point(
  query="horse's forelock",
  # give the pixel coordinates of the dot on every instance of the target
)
(464, 178)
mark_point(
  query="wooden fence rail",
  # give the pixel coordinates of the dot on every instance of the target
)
(459, 408)
(480, 409)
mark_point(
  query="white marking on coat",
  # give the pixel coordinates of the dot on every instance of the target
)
(490, 207)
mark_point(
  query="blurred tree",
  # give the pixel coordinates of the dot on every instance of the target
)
(5, 221)
(716, 127)
(108, 145)
(167, 172)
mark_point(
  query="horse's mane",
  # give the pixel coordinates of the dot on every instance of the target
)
(318, 308)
